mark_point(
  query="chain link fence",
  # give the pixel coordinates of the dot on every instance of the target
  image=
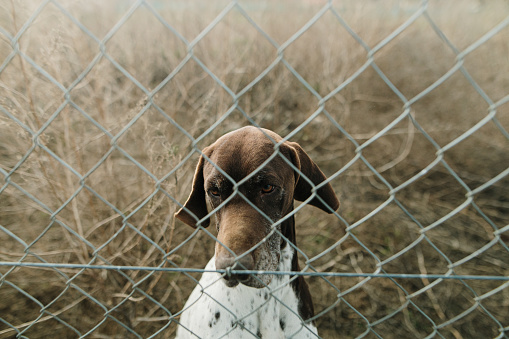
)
(105, 108)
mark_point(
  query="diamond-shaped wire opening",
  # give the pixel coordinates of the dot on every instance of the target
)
(131, 43)
(94, 219)
(98, 22)
(15, 15)
(116, 176)
(108, 96)
(406, 60)
(98, 291)
(363, 195)
(279, 101)
(73, 305)
(190, 19)
(375, 22)
(480, 18)
(14, 312)
(326, 303)
(148, 229)
(357, 324)
(133, 308)
(49, 326)
(268, 15)
(489, 76)
(490, 258)
(388, 233)
(26, 93)
(335, 58)
(55, 181)
(472, 322)
(58, 45)
(229, 121)
(450, 301)
(76, 140)
(409, 322)
(154, 142)
(240, 41)
(328, 306)
(129, 243)
(64, 303)
(326, 142)
(327, 230)
(17, 209)
(485, 145)
(433, 298)
(461, 235)
(111, 326)
(57, 243)
(39, 288)
(450, 109)
(132, 311)
(425, 258)
(364, 105)
(193, 99)
(434, 186)
(400, 153)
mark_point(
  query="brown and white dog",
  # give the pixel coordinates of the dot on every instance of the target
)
(252, 196)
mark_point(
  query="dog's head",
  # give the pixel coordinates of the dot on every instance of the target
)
(250, 193)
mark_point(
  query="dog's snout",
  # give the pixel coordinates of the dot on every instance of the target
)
(229, 262)
(240, 263)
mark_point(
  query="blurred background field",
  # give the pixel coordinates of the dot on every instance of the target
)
(96, 136)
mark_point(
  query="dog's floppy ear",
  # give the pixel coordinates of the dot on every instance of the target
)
(196, 206)
(308, 168)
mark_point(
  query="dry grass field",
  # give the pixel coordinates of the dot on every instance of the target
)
(88, 168)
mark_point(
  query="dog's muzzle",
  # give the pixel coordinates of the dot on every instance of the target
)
(229, 263)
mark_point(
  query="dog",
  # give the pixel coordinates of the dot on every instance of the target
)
(244, 172)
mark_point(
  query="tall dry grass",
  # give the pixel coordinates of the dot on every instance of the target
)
(49, 215)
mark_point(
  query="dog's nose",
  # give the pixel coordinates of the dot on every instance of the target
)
(227, 262)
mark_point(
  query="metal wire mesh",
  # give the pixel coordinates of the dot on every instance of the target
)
(106, 108)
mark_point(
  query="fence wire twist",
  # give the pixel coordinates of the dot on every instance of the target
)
(78, 258)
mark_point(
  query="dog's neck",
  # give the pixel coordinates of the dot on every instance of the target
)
(298, 284)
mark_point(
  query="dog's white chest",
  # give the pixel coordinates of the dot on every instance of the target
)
(216, 311)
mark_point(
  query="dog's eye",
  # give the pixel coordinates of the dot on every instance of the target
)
(214, 191)
(268, 188)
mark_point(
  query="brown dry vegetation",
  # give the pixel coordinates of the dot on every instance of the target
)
(46, 212)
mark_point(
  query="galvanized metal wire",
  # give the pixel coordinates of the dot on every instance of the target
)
(71, 273)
